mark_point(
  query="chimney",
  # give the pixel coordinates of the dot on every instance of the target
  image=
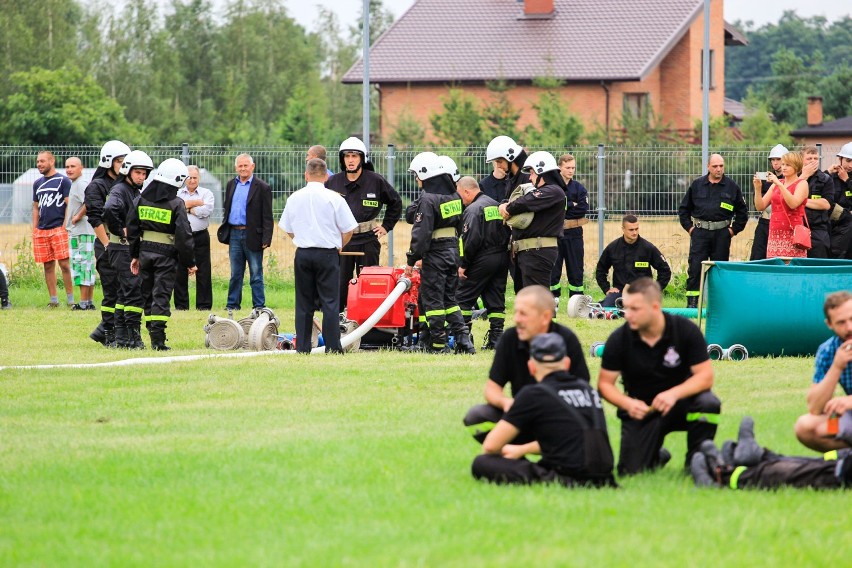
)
(538, 8)
(814, 111)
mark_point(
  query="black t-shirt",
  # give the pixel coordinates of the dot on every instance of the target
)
(556, 428)
(512, 354)
(647, 371)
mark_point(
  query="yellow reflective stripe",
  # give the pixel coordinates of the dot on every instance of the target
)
(467, 312)
(702, 417)
(451, 208)
(492, 213)
(461, 248)
(557, 286)
(108, 309)
(692, 292)
(370, 203)
(433, 313)
(438, 345)
(816, 196)
(727, 206)
(155, 214)
(639, 264)
(156, 318)
(481, 428)
(452, 310)
(421, 318)
(133, 309)
(497, 316)
(119, 307)
(735, 477)
(830, 456)
(576, 288)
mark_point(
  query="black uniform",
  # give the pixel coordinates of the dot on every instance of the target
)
(820, 186)
(160, 214)
(710, 202)
(485, 258)
(646, 372)
(629, 262)
(129, 304)
(510, 367)
(365, 197)
(494, 188)
(534, 265)
(841, 226)
(564, 414)
(571, 243)
(95, 196)
(761, 233)
(438, 207)
(509, 185)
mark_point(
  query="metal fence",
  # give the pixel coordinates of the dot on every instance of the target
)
(649, 182)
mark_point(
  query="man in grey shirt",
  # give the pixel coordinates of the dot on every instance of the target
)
(81, 236)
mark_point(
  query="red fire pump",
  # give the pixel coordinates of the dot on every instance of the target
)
(368, 291)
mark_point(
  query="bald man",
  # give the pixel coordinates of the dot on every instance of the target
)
(712, 212)
(81, 236)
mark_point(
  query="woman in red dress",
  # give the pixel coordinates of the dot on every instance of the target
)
(788, 198)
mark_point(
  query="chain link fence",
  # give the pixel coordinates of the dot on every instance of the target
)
(648, 182)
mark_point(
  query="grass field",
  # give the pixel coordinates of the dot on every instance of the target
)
(353, 460)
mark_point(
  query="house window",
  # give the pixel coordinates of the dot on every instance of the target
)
(636, 104)
(712, 69)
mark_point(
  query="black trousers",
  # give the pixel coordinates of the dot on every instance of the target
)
(534, 266)
(482, 418)
(439, 278)
(4, 287)
(816, 473)
(350, 266)
(317, 281)
(841, 239)
(641, 440)
(761, 240)
(129, 303)
(500, 470)
(609, 300)
(157, 268)
(571, 253)
(109, 285)
(820, 244)
(486, 278)
(203, 284)
(705, 245)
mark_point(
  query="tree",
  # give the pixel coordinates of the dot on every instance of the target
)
(557, 125)
(409, 133)
(460, 123)
(500, 116)
(62, 107)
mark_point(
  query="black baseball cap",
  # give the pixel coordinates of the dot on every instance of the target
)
(547, 348)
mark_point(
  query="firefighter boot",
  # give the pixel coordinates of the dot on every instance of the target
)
(134, 338)
(158, 340)
(121, 336)
(494, 334)
(109, 338)
(424, 338)
(98, 335)
(464, 345)
(692, 301)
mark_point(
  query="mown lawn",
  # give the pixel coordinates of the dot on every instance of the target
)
(353, 460)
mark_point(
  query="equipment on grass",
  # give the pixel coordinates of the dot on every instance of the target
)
(579, 306)
(257, 332)
(223, 334)
(596, 349)
(735, 352)
(398, 326)
(263, 333)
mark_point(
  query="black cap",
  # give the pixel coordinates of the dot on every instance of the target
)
(547, 348)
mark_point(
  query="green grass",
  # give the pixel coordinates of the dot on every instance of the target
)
(354, 460)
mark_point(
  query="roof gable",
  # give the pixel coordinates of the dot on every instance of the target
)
(482, 40)
(839, 127)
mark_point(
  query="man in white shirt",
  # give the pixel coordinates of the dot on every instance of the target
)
(320, 223)
(81, 236)
(199, 206)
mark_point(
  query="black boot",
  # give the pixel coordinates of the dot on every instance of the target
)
(494, 334)
(424, 338)
(158, 340)
(98, 335)
(692, 301)
(109, 338)
(121, 336)
(464, 345)
(134, 338)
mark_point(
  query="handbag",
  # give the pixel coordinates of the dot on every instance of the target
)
(223, 233)
(801, 233)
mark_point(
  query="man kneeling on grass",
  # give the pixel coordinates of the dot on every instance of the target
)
(564, 415)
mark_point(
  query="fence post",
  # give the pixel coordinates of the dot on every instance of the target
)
(184, 153)
(391, 158)
(819, 151)
(601, 207)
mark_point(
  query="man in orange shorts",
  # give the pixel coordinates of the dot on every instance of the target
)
(50, 239)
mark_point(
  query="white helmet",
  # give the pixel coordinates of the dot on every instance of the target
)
(778, 151)
(540, 162)
(172, 172)
(112, 150)
(502, 147)
(136, 159)
(352, 144)
(846, 151)
(426, 165)
(450, 167)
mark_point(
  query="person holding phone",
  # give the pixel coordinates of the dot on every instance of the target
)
(787, 197)
(761, 186)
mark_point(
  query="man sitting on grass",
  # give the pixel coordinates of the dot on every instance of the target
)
(563, 413)
(667, 375)
(833, 366)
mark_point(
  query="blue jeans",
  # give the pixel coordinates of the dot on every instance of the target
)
(239, 253)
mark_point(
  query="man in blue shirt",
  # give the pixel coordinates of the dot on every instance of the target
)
(833, 367)
(50, 239)
(248, 215)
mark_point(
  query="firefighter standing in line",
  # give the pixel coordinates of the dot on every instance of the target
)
(122, 198)
(571, 243)
(841, 214)
(434, 240)
(819, 203)
(761, 232)
(160, 236)
(365, 192)
(484, 264)
(106, 175)
(535, 247)
(712, 212)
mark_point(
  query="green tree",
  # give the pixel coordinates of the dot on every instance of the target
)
(62, 107)
(500, 116)
(557, 125)
(460, 122)
(409, 133)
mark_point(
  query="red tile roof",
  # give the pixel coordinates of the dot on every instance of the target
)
(483, 40)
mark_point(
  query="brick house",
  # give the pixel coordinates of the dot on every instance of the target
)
(612, 55)
(832, 135)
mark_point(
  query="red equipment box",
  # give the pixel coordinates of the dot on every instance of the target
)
(369, 290)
